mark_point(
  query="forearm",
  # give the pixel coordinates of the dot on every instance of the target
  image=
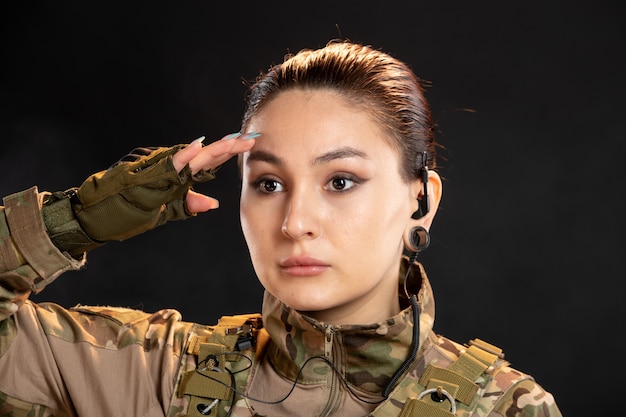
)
(45, 234)
(29, 260)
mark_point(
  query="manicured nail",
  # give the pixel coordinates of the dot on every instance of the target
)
(250, 135)
(231, 136)
(200, 139)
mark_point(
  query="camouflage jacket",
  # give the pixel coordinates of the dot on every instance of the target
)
(121, 362)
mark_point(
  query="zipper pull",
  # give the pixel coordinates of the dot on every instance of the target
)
(328, 341)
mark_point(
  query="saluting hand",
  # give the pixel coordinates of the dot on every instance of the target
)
(210, 157)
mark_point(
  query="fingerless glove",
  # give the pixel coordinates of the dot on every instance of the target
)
(138, 193)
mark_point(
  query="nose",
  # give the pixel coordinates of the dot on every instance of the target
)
(301, 218)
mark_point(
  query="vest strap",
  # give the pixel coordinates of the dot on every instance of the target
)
(210, 382)
(459, 379)
(420, 408)
(206, 384)
(463, 389)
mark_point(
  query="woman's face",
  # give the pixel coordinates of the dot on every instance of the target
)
(324, 208)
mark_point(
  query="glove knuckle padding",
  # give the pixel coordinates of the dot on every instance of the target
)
(135, 195)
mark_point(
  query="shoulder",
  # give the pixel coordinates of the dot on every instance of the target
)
(500, 388)
(524, 397)
(110, 327)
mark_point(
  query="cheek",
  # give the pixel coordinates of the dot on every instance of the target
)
(246, 217)
(386, 225)
(253, 240)
(364, 233)
(257, 224)
(248, 225)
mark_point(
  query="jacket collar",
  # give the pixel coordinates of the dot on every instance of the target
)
(367, 355)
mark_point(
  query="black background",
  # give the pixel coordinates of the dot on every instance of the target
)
(529, 102)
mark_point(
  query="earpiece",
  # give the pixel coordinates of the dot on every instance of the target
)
(424, 202)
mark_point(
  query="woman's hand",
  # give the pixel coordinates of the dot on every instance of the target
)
(209, 157)
(151, 186)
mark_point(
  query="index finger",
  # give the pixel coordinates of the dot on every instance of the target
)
(220, 151)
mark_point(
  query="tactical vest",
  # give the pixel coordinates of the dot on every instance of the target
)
(226, 356)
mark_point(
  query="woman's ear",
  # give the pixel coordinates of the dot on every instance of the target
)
(428, 199)
(416, 236)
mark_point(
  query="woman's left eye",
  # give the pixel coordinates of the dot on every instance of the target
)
(341, 184)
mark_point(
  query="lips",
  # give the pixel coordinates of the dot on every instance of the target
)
(303, 266)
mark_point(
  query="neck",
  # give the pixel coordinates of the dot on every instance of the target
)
(374, 308)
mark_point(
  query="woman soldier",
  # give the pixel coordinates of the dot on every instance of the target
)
(339, 191)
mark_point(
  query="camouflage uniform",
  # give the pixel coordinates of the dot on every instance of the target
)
(121, 362)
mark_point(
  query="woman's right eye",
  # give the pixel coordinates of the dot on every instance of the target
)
(269, 186)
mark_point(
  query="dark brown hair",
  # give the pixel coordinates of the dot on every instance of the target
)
(373, 80)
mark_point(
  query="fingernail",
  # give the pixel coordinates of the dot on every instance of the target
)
(250, 135)
(231, 136)
(200, 139)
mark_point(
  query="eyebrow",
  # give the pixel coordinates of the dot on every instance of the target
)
(263, 156)
(345, 152)
(270, 158)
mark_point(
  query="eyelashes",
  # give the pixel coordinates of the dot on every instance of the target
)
(343, 183)
(268, 186)
(338, 183)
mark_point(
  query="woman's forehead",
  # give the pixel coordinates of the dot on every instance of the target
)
(312, 112)
(309, 124)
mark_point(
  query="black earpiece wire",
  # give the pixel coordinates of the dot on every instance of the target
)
(424, 208)
(415, 342)
(235, 391)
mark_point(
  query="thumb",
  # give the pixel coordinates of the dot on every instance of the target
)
(198, 203)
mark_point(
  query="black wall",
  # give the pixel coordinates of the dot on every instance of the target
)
(529, 101)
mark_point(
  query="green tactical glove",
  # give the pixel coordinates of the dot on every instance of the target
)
(138, 193)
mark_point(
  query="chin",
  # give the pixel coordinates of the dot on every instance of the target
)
(308, 305)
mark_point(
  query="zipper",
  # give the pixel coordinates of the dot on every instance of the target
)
(333, 356)
(329, 335)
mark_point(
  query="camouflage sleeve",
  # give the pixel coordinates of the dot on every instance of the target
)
(55, 361)
(28, 259)
(91, 360)
(527, 399)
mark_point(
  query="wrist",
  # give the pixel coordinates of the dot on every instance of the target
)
(62, 226)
